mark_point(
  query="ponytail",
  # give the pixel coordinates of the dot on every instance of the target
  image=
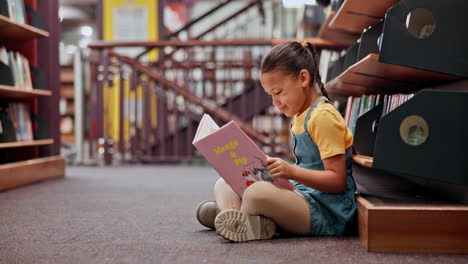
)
(316, 73)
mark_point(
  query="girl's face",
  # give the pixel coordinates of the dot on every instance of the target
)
(291, 94)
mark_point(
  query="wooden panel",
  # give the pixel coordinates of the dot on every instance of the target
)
(425, 227)
(14, 93)
(30, 143)
(356, 15)
(26, 172)
(371, 76)
(14, 31)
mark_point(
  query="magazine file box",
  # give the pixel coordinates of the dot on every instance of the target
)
(350, 57)
(443, 156)
(336, 68)
(444, 50)
(369, 39)
(366, 130)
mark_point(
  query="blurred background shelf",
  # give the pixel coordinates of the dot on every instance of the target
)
(14, 93)
(16, 31)
(31, 143)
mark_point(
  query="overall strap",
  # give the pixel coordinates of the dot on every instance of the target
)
(310, 111)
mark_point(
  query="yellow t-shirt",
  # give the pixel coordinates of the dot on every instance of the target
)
(327, 129)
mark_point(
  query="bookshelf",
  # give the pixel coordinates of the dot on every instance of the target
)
(26, 161)
(414, 191)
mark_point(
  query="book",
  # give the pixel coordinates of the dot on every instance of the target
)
(233, 155)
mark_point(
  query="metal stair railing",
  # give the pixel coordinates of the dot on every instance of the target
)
(149, 113)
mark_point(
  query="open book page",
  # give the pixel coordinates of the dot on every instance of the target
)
(237, 158)
(207, 126)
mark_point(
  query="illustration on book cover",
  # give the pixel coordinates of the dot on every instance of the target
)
(252, 173)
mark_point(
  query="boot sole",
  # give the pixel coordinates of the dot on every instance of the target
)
(239, 227)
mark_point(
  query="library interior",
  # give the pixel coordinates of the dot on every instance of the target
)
(119, 120)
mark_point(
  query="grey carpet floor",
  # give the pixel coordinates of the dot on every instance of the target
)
(145, 214)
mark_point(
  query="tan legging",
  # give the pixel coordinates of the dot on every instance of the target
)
(289, 209)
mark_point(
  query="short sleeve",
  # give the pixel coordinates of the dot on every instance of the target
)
(329, 132)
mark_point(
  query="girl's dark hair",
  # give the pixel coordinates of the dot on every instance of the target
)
(292, 58)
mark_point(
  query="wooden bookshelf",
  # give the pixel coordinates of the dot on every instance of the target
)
(16, 31)
(15, 93)
(30, 143)
(356, 15)
(26, 172)
(365, 161)
(369, 75)
(40, 47)
(387, 225)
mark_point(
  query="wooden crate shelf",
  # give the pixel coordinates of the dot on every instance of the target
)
(14, 93)
(370, 76)
(16, 31)
(356, 15)
(31, 143)
(30, 171)
(387, 225)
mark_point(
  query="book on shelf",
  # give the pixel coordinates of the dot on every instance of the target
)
(15, 122)
(233, 155)
(20, 68)
(357, 106)
(14, 9)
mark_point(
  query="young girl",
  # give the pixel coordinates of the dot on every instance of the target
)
(323, 202)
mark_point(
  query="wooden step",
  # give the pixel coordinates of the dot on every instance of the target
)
(30, 171)
(387, 225)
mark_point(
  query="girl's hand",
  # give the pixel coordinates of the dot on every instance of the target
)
(278, 168)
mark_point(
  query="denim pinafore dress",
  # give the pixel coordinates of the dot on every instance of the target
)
(329, 212)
